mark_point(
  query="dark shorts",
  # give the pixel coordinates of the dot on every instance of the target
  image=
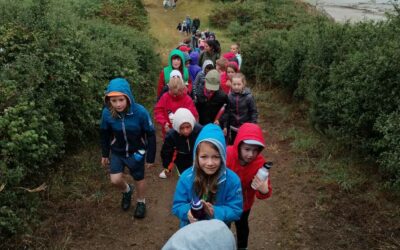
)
(136, 168)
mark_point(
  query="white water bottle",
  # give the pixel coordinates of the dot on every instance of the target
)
(171, 117)
(263, 173)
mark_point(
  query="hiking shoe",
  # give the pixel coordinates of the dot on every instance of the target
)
(126, 199)
(164, 174)
(140, 210)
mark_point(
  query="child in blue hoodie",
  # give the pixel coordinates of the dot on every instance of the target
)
(209, 180)
(194, 68)
(126, 132)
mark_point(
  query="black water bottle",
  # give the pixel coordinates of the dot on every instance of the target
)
(197, 209)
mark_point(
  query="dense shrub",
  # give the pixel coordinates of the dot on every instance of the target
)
(56, 59)
(347, 73)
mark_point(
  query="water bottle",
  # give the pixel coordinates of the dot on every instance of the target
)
(197, 209)
(138, 155)
(170, 117)
(263, 172)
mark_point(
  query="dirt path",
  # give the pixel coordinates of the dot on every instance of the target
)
(294, 218)
(99, 223)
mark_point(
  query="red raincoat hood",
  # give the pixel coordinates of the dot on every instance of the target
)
(248, 131)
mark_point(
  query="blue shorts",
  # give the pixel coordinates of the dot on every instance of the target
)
(136, 168)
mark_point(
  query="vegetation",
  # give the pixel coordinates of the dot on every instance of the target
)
(56, 59)
(347, 74)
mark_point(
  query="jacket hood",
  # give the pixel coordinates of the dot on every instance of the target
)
(181, 116)
(176, 52)
(120, 85)
(194, 56)
(169, 68)
(205, 63)
(229, 56)
(213, 134)
(248, 131)
(206, 234)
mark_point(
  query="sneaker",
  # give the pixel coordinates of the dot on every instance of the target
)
(126, 199)
(140, 210)
(163, 174)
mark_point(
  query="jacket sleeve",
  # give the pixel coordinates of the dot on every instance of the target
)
(201, 59)
(159, 112)
(190, 86)
(161, 84)
(105, 136)
(252, 109)
(167, 150)
(181, 203)
(150, 137)
(233, 203)
(190, 105)
(267, 195)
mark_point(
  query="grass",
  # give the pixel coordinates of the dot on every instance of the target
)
(162, 21)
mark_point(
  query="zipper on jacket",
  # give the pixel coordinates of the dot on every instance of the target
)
(237, 110)
(125, 137)
(188, 144)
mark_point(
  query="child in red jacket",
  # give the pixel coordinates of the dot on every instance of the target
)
(175, 98)
(244, 158)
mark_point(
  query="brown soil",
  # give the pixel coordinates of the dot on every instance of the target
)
(303, 212)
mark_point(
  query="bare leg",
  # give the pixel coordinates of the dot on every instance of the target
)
(118, 181)
(141, 189)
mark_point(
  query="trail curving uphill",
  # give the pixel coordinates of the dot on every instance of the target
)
(295, 217)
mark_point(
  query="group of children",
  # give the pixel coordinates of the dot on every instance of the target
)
(189, 26)
(200, 108)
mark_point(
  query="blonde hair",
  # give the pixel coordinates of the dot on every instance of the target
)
(205, 184)
(240, 76)
(237, 46)
(175, 84)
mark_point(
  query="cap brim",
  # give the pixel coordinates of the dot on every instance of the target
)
(212, 87)
(254, 142)
(115, 93)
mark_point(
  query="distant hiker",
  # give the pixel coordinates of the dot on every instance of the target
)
(211, 52)
(242, 107)
(210, 181)
(179, 27)
(184, 27)
(196, 24)
(176, 61)
(175, 98)
(208, 234)
(194, 43)
(169, 4)
(194, 67)
(202, 43)
(179, 142)
(210, 99)
(127, 135)
(245, 159)
(188, 24)
(235, 48)
(198, 83)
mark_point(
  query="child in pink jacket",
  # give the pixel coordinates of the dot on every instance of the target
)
(175, 98)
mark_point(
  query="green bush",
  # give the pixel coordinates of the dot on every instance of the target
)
(56, 59)
(388, 144)
(347, 73)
